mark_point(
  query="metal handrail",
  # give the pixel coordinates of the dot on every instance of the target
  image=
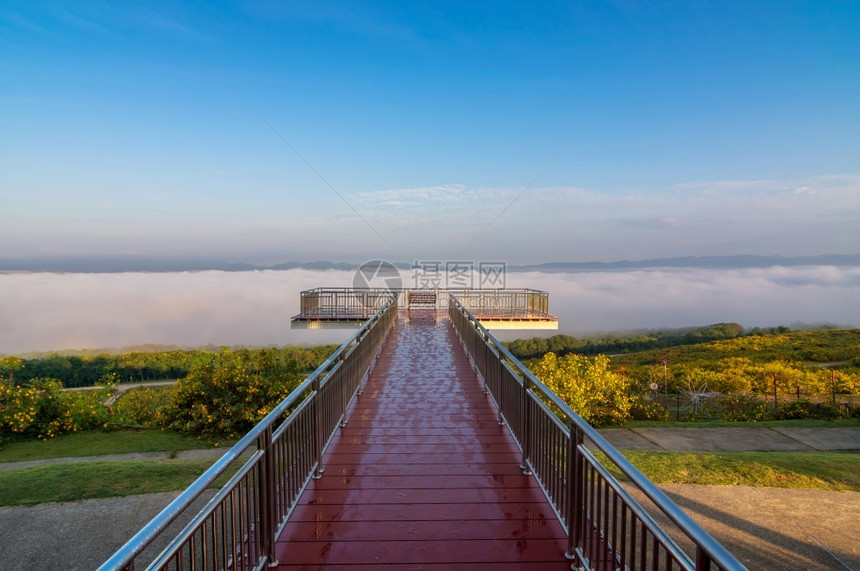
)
(491, 359)
(298, 401)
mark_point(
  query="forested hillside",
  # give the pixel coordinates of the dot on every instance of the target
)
(88, 369)
(220, 393)
(717, 371)
(619, 343)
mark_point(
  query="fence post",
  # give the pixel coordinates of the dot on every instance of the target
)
(265, 484)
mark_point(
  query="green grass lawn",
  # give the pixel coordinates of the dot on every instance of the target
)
(86, 480)
(96, 443)
(817, 470)
(83, 480)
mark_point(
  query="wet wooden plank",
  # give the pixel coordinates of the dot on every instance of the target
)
(422, 476)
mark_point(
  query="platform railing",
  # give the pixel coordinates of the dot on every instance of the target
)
(343, 303)
(329, 303)
(510, 303)
(607, 528)
(237, 528)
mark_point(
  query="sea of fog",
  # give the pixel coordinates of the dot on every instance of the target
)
(54, 311)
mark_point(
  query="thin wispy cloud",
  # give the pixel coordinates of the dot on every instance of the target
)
(433, 197)
(816, 213)
(794, 217)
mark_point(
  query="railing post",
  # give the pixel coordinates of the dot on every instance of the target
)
(576, 489)
(501, 389)
(266, 496)
(346, 384)
(317, 429)
(526, 426)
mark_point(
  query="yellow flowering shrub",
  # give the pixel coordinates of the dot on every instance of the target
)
(598, 394)
(143, 406)
(232, 393)
(41, 408)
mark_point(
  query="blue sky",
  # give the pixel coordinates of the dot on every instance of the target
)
(685, 128)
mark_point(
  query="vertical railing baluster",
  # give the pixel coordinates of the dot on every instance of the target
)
(591, 493)
(526, 427)
(607, 522)
(317, 429)
(225, 537)
(576, 472)
(631, 556)
(500, 392)
(345, 384)
(204, 544)
(239, 549)
(268, 504)
(703, 561)
(655, 555)
(614, 537)
(622, 560)
(233, 525)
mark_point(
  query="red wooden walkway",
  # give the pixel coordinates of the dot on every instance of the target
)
(423, 477)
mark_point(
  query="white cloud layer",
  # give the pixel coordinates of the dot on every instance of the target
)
(648, 299)
(789, 217)
(74, 311)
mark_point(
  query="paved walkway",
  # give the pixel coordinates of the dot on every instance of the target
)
(692, 439)
(423, 476)
(741, 439)
(185, 454)
(686, 439)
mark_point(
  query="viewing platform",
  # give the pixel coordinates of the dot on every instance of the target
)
(496, 309)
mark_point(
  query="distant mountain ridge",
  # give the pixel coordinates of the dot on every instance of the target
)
(118, 264)
(741, 261)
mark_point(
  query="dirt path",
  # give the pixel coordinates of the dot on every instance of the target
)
(776, 528)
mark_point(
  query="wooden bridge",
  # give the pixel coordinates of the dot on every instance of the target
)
(423, 473)
(422, 443)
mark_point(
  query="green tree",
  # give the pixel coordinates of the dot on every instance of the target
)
(8, 367)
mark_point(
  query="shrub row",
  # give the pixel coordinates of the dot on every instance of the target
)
(226, 396)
